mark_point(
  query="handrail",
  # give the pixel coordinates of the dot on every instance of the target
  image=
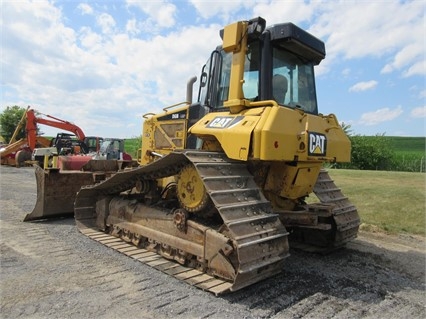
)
(145, 116)
(174, 105)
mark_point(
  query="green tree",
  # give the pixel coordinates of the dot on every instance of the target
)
(9, 120)
(347, 128)
(371, 152)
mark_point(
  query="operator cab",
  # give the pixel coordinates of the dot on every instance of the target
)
(112, 149)
(279, 65)
(67, 144)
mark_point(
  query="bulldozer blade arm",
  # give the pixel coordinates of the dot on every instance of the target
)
(56, 192)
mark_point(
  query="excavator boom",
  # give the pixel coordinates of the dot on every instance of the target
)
(33, 120)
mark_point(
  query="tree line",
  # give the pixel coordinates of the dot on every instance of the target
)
(377, 153)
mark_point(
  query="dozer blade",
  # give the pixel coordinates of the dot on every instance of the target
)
(57, 188)
(56, 192)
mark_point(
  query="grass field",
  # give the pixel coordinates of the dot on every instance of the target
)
(391, 201)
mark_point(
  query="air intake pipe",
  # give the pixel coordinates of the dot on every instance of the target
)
(189, 89)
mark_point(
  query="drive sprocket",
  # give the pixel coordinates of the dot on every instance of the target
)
(191, 193)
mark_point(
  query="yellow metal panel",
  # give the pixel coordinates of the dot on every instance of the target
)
(147, 139)
(232, 36)
(164, 132)
(257, 133)
(233, 131)
(278, 138)
(292, 181)
(276, 134)
(235, 40)
(288, 135)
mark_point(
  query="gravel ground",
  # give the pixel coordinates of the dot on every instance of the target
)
(50, 270)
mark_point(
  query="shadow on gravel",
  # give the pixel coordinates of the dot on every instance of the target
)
(345, 275)
(54, 221)
(350, 276)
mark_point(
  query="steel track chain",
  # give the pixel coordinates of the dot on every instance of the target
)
(345, 214)
(257, 233)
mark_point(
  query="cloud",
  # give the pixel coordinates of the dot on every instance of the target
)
(90, 40)
(85, 8)
(272, 11)
(416, 69)
(221, 9)
(292, 11)
(147, 50)
(394, 31)
(161, 13)
(97, 78)
(132, 27)
(381, 115)
(418, 112)
(106, 22)
(346, 72)
(363, 86)
(404, 57)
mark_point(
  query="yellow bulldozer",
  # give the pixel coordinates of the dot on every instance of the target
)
(222, 183)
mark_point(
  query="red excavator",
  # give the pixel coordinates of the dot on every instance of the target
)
(35, 147)
(17, 152)
(63, 144)
(33, 120)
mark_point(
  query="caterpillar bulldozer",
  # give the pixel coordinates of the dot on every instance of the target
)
(222, 183)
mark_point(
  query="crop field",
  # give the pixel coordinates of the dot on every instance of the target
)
(409, 153)
(408, 145)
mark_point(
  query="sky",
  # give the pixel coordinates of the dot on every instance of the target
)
(104, 64)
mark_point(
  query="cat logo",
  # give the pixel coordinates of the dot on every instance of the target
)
(317, 144)
(224, 121)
